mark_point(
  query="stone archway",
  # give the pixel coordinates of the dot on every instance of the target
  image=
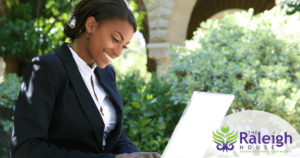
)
(220, 14)
(202, 13)
(168, 20)
(174, 21)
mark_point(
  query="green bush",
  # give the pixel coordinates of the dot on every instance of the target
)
(256, 58)
(149, 115)
(9, 91)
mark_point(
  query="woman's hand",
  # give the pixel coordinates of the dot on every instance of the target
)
(139, 155)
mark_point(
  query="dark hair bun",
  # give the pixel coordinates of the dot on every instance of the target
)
(70, 32)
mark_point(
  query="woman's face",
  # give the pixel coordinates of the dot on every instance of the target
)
(109, 39)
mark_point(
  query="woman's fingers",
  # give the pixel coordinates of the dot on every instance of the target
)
(156, 154)
(140, 155)
(129, 155)
(147, 155)
(137, 155)
(150, 154)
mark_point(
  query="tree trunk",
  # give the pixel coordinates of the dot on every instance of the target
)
(22, 67)
(3, 7)
(12, 64)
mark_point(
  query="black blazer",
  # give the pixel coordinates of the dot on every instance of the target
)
(56, 116)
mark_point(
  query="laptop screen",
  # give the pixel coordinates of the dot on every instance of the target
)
(193, 133)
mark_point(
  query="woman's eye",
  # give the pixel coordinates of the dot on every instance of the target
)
(118, 41)
(115, 39)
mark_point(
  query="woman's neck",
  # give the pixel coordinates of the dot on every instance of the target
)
(80, 48)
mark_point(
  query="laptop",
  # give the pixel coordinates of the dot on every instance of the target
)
(193, 133)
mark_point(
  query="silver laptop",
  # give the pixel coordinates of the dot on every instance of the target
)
(193, 133)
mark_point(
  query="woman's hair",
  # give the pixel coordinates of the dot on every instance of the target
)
(101, 10)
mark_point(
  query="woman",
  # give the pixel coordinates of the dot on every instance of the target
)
(68, 106)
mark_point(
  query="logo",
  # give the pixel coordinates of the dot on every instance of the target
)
(252, 138)
(225, 141)
(259, 134)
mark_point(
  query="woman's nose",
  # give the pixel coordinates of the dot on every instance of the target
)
(118, 52)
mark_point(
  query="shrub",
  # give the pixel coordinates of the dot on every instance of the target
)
(256, 58)
(9, 91)
(149, 114)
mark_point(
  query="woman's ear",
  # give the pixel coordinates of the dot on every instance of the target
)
(90, 24)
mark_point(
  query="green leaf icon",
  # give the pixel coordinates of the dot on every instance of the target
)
(273, 132)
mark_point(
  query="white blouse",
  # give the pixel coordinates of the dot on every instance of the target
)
(110, 117)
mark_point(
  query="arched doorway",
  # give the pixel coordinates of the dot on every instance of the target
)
(220, 14)
(204, 9)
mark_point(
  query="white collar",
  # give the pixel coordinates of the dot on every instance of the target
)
(83, 67)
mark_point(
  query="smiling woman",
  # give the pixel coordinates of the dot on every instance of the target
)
(68, 105)
(106, 41)
(101, 35)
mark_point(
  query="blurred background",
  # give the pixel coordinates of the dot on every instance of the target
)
(249, 48)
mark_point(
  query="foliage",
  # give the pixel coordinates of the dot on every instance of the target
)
(149, 115)
(256, 58)
(292, 6)
(9, 91)
(32, 29)
(139, 16)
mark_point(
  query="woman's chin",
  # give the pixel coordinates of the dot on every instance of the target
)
(102, 65)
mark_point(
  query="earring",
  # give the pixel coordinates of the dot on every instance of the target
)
(87, 39)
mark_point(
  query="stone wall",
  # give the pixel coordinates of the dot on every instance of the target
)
(1, 69)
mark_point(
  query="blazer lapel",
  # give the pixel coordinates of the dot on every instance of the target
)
(85, 99)
(108, 86)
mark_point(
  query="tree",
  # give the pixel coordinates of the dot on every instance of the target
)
(3, 7)
(29, 29)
